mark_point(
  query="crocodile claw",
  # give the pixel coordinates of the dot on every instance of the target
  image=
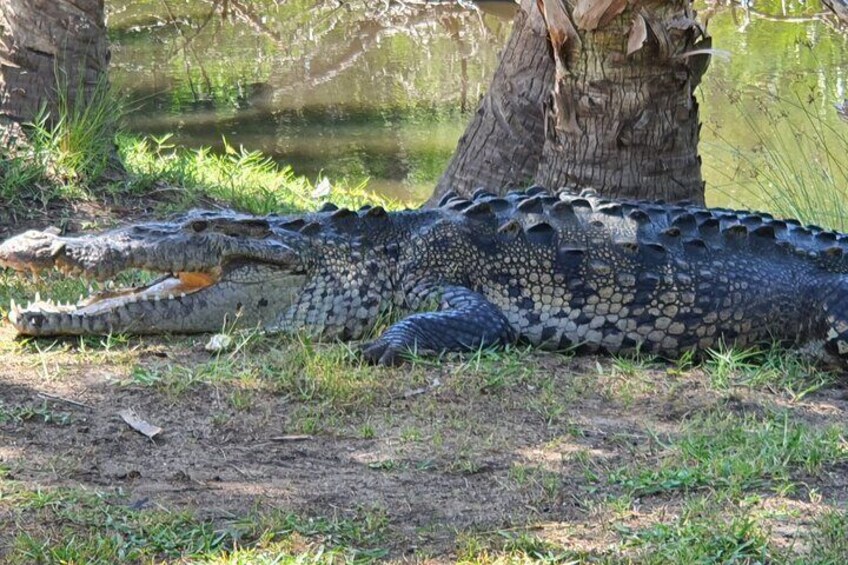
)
(382, 352)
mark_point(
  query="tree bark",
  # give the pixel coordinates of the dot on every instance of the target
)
(623, 118)
(839, 8)
(502, 145)
(48, 46)
(615, 80)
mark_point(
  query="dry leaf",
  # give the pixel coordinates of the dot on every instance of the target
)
(559, 25)
(218, 343)
(143, 427)
(592, 14)
(638, 34)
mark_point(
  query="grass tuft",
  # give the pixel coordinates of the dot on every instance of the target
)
(67, 154)
(78, 142)
(246, 180)
(42, 413)
(81, 153)
(721, 450)
(512, 547)
(829, 538)
(796, 170)
(331, 376)
(697, 537)
(775, 369)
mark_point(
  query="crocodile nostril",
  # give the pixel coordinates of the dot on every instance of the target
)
(199, 225)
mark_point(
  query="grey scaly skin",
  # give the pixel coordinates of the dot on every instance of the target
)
(555, 271)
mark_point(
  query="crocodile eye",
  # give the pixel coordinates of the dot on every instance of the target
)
(199, 225)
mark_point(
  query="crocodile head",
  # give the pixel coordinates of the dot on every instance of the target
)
(216, 268)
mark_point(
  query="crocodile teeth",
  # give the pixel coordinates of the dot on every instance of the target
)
(38, 297)
(14, 312)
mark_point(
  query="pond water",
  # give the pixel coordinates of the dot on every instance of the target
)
(383, 90)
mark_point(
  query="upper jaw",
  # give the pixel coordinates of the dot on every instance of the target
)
(103, 257)
(31, 251)
(146, 246)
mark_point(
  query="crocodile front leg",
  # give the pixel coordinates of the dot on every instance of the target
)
(465, 321)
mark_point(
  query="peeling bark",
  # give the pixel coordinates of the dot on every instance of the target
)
(614, 81)
(623, 118)
(46, 45)
(839, 8)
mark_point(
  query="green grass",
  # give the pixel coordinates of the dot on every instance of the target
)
(246, 180)
(511, 547)
(736, 453)
(702, 531)
(775, 369)
(33, 413)
(707, 531)
(78, 143)
(829, 538)
(698, 535)
(81, 154)
(93, 528)
(294, 366)
(67, 153)
(24, 179)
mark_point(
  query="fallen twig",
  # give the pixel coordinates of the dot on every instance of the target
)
(46, 396)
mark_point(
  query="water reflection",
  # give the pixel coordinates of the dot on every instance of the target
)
(356, 89)
(778, 91)
(383, 89)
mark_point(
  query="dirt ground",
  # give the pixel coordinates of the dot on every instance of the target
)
(440, 458)
(442, 455)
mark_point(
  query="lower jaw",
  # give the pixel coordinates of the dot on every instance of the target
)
(144, 317)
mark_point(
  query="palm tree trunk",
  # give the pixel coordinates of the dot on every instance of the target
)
(839, 8)
(605, 101)
(45, 46)
(622, 117)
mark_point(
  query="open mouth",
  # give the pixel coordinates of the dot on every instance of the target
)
(204, 279)
(102, 309)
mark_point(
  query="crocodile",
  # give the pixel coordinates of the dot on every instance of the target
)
(556, 270)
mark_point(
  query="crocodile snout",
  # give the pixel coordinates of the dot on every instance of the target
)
(31, 251)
